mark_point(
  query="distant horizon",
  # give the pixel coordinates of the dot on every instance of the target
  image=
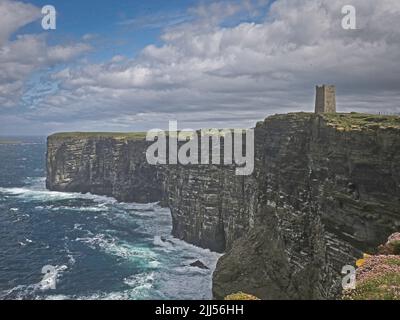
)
(137, 131)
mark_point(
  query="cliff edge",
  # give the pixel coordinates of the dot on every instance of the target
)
(325, 189)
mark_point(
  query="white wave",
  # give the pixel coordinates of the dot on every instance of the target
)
(140, 280)
(70, 256)
(167, 257)
(24, 243)
(35, 190)
(77, 226)
(71, 259)
(78, 209)
(114, 247)
(142, 287)
(56, 297)
(132, 294)
(30, 194)
(162, 242)
(27, 291)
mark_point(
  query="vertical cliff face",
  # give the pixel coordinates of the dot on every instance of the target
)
(325, 189)
(209, 204)
(329, 189)
(105, 164)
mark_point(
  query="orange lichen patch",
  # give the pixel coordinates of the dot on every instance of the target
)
(361, 262)
(241, 296)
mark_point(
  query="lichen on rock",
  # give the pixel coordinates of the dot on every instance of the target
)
(378, 277)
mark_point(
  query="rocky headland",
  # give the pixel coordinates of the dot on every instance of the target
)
(325, 189)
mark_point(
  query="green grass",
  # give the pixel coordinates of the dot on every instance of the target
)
(342, 121)
(115, 135)
(347, 121)
(394, 247)
(393, 261)
(354, 121)
(383, 287)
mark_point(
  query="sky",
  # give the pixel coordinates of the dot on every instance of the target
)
(131, 65)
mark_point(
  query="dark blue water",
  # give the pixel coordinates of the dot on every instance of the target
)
(93, 247)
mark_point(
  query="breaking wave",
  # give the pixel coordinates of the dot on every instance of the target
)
(102, 249)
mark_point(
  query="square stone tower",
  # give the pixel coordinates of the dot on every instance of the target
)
(325, 99)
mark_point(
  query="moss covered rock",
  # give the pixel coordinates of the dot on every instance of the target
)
(241, 296)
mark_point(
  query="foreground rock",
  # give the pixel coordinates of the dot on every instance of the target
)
(392, 246)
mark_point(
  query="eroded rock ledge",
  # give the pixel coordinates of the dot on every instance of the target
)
(325, 189)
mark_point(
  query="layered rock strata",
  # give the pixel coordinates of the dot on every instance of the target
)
(325, 188)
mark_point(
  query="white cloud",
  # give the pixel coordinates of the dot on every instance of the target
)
(208, 74)
(14, 15)
(65, 53)
(25, 54)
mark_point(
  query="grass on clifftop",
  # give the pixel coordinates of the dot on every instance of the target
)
(127, 135)
(358, 121)
(341, 121)
(83, 135)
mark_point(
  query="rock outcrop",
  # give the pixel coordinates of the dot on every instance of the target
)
(325, 189)
(102, 163)
(328, 189)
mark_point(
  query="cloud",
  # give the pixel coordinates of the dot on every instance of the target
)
(208, 72)
(15, 15)
(157, 20)
(24, 54)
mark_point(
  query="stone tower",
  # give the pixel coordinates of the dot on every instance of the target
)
(325, 99)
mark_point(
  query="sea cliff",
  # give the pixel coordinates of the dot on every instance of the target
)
(325, 189)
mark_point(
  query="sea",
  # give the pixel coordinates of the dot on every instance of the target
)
(56, 245)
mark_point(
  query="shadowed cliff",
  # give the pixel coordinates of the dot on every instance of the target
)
(325, 189)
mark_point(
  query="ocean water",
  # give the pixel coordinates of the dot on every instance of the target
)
(72, 246)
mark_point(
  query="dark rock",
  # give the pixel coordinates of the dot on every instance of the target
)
(104, 165)
(199, 264)
(325, 189)
(326, 195)
(163, 239)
